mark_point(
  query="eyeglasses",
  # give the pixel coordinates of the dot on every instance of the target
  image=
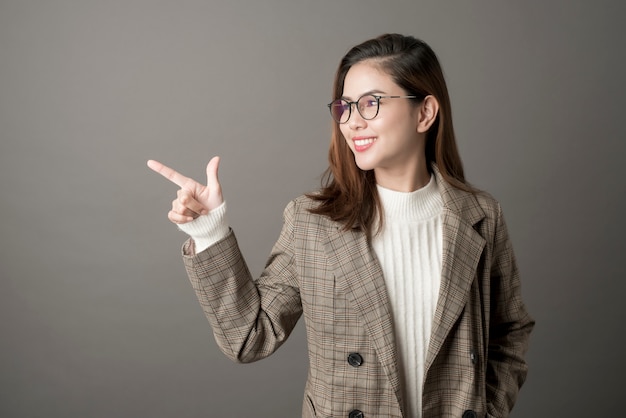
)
(367, 106)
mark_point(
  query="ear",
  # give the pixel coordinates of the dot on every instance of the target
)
(428, 110)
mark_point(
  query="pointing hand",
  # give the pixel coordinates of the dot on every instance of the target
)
(193, 199)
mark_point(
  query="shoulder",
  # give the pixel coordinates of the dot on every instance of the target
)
(303, 202)
(472, 204)
(299, 205)
(492, 224)
(299, 209)
(303, 227)
(488, 204)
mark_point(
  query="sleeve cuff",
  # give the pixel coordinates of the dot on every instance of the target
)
(207, 229)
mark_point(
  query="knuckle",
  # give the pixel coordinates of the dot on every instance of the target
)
(184, 199)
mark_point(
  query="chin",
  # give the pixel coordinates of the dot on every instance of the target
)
(364, 165)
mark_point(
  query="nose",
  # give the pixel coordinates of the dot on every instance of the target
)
(356, 121)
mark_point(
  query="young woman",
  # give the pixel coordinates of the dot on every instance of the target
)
(404, 272)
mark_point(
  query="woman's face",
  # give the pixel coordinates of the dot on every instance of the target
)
(389, 144)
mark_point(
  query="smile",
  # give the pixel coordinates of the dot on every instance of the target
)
(363, 142)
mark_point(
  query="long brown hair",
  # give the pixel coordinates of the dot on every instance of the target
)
(349, 194)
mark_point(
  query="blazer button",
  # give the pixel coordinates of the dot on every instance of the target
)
(355, 359)
(356, 414)
(470, 414)
(473, 357)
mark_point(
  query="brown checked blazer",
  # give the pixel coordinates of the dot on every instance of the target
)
(475, 363)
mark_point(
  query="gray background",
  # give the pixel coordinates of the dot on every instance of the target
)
(97, 318)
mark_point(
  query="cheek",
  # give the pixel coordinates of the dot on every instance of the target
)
(344, 131)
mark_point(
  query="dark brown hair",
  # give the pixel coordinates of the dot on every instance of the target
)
(349, 194)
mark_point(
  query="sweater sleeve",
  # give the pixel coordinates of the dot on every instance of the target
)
(207, 229)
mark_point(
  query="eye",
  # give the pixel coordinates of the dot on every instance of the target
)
(370, 101)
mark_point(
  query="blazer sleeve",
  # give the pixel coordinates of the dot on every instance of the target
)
(509, 329)
(250, 319)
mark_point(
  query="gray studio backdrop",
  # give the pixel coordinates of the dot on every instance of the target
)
(97, 318)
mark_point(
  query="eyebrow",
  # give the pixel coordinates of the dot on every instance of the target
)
(370, 92)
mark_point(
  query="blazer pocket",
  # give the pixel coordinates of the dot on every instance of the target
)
(310, 407)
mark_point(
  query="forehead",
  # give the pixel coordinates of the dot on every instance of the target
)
(366, 77)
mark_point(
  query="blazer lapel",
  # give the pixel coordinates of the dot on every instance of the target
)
(462, 249)
(359, 275)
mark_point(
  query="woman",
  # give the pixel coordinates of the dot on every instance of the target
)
(404, 273)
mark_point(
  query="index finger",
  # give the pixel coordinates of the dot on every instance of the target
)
(170, 174)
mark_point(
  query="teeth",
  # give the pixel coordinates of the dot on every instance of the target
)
(362, 142)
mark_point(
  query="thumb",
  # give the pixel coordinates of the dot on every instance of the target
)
(211, 173)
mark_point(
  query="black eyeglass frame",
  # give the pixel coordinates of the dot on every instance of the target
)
(377, 97)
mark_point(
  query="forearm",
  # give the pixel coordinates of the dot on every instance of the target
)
(250, 319)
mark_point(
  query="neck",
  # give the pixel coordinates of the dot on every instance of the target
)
(407, 179)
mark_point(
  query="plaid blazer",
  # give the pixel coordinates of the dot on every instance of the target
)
(475, 363)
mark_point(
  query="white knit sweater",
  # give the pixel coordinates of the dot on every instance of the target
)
(409, 249)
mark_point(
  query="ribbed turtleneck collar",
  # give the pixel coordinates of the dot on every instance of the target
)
(419, 205)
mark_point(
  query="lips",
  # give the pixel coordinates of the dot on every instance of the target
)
(363, 143)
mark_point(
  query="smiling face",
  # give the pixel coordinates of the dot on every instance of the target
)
(390, 144)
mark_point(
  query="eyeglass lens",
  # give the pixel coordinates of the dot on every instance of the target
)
(367, 106)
